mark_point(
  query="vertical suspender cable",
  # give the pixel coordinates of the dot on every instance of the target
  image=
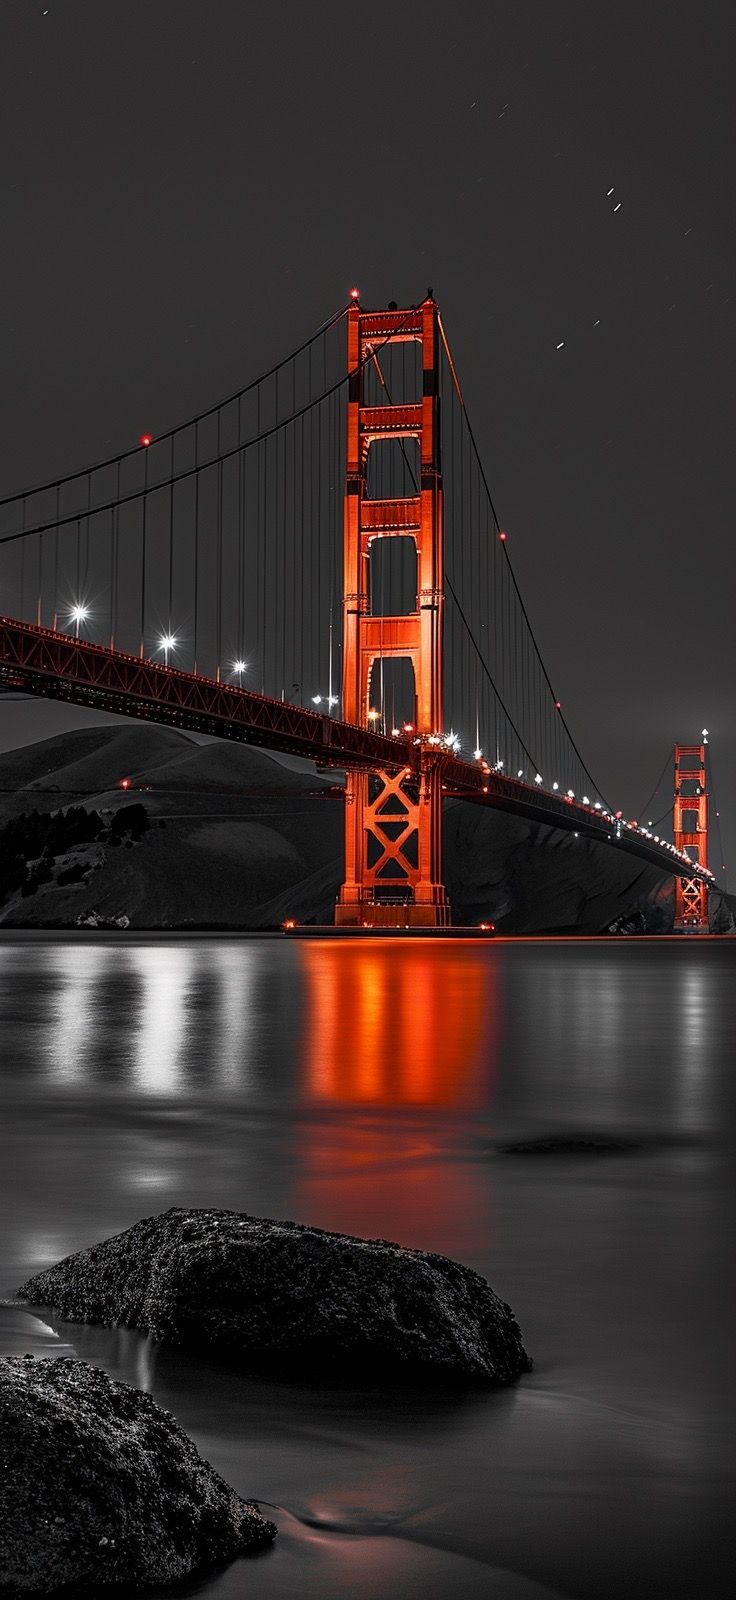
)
(171, 539)
(23, 559)
(218, 578)
(241, 540)
(144, 551)
(114, 561)
(196, 546)
(56, 561)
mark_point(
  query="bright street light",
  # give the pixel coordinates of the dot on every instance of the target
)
(166, 643)
(78, 613)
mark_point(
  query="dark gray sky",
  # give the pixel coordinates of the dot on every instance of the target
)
(189, 188)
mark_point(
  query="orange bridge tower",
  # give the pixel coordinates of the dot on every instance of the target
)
(690, 833)
(393, 822)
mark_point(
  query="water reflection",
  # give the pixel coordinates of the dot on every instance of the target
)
(391, 1036)
(364, 1087)
(161, 1019)
(70, 1034)
(165, 975)
(693, 1075)
(548, 1033)
(387, 1027)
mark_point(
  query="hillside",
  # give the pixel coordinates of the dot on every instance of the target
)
(237, 839)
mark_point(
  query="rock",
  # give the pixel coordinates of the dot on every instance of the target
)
(573, 1144)
(290, 1299)
(99, 1486)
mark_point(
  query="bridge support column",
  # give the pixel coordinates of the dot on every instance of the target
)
(690, 833)
(393, 819)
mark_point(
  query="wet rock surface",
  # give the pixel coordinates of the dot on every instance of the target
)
(289, 1299)
(99, 1487)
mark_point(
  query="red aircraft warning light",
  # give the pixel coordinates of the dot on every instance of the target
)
(146, 439)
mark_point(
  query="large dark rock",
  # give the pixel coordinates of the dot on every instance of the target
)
(289, 1298)
(99, 1486)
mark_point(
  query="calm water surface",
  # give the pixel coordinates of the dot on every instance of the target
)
(368, 1088)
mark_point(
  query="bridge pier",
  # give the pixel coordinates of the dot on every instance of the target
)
(393, 838)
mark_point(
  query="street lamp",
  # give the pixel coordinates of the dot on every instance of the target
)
(166, 643)
(328, 700)
(78, 613)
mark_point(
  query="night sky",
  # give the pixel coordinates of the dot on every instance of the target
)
(190, 188)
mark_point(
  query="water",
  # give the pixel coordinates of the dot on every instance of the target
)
(371, 1088)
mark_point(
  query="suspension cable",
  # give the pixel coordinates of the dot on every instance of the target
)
(454, 597)
(644, 809)
(507, 557)
(712, 788)
(181, 427)
(189, 472)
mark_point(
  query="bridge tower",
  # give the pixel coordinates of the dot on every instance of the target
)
(690, 833)
(393, 822)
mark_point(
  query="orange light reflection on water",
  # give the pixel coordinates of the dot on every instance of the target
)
(399, 1046)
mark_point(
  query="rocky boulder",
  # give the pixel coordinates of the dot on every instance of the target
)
(99, 1486)
(291, 1299)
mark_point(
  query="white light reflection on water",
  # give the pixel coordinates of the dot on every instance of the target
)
(237, 971)
(73, 1019)
(166, 974)
(692, 1076)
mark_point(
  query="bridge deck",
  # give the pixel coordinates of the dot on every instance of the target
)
(41, 661)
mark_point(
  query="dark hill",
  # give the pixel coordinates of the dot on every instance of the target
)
(247, 842)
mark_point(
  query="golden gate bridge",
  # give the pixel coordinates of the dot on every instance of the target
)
(331, 524)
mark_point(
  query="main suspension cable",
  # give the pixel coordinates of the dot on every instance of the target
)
(509, 563)
(181, 427)
(454, 596)
(655, 791)
(189, 472)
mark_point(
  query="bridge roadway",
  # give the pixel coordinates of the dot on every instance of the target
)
(58, 666)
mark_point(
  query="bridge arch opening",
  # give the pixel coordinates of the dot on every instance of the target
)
(392, 572)
(392, 692)
(392, 469)
(395, 376)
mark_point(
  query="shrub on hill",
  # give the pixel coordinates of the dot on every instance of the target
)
(30, 843)
(132, 820)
